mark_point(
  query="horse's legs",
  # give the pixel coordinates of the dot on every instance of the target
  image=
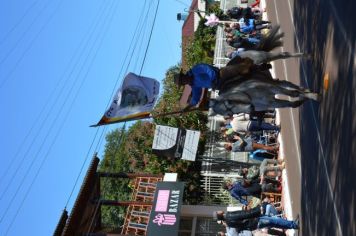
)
(302, 92)
(313, 96)
(272, 56)
(260, 57)
(289, 85)
(285, 91)
(278, 103)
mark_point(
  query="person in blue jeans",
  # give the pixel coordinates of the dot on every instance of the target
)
(251, 25)
(240, 188)
(235, 221)
(277, 222)
(268, 208)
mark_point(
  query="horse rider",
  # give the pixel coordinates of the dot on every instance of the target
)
(204, 76)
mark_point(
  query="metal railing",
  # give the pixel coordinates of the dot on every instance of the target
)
(213, 177)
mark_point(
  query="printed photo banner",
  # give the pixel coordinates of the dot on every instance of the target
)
(165, 213)
(133, 100)
(175, 142)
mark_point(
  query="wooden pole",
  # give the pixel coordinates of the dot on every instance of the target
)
(123, 203)
(151, 116)
(128, 175)
(174, 112)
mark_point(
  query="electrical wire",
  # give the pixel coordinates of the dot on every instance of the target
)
(52, 126)
(181, 2)
(53, 106)
(24, 33)
(149, 40)
(82, 46)
(66, 116)
(118, 78)
(122, 132)
(61, 126)
(132, 44)
(142, 33)
(13, 28)
(17, 63)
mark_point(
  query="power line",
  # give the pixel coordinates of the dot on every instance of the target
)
(12, 49)
(118, 78)
(17, 63)
(53, 125)
(123, 127)
(84, 41)
(67, 114)
(181, 2)
(137, 37)
(149, 40)
(22, 36)
(8, 33)
(94, 138)
(132, 44)
(81, 168)
(53, 106)
(141, 35)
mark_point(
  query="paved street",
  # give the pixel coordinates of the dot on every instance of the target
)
(319, 139)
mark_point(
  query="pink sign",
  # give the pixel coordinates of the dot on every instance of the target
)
(164, 219)
(162, 200)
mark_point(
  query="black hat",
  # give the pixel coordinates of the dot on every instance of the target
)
(217, 217)
(178, 78)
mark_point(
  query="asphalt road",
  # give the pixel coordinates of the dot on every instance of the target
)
(320, 138)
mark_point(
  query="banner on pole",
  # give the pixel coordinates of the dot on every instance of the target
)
(133, 100)
(165, 213)
(175, 142)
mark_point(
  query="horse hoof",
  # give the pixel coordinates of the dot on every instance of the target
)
(307, 56)
(312, 96)
(297, 103)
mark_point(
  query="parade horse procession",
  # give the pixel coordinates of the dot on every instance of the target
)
(247, 98)
(245, 84)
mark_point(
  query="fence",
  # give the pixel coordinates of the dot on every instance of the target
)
(217, 164)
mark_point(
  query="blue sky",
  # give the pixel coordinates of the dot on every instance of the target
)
(60, 61)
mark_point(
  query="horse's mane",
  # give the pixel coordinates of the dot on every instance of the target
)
(271, 40)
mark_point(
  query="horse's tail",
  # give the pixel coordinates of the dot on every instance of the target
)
(271, 40)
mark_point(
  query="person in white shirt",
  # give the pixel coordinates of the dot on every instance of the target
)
(242, 123)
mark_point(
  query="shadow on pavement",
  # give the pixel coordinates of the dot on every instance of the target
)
(323, 26)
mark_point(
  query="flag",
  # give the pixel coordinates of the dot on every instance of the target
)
(211, 20)
(133, 100)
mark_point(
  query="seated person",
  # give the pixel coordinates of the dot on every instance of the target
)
(248, 145)
(252, 223)
(268, 208)
(242, 124)
(250, 173)
(277, 166)
(260, 155)
(235, 217)
(247, 12)
(241, 42)
(270, 185)
(250, 25)
(242, 188)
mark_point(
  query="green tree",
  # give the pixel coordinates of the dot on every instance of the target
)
(130, 150)
(115, 160)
